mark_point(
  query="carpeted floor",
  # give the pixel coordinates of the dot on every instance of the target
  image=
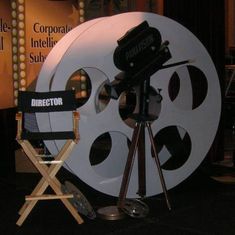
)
(200, 206)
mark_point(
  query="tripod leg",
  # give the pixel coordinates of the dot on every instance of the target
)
(158, 165)
(129, 165)
(141, 162)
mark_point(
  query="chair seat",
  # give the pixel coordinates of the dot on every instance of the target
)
(59, 135)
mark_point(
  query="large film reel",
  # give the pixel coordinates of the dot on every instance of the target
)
(188, 115)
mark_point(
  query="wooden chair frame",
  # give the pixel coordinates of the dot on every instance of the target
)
(48, 171)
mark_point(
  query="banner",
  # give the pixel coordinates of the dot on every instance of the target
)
(6, 82)
(45, 23)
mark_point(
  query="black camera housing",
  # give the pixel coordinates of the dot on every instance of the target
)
(140, 53)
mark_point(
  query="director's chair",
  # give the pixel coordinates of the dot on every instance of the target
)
(31, 103)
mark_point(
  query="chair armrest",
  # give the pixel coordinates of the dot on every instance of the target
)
(76, 117)
(19, 125)
(19, 116)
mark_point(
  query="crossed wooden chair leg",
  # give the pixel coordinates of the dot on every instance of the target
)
(48, 179)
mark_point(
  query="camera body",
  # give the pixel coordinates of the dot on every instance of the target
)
(140, 53)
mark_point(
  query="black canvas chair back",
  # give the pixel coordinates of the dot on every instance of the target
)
(30, 103)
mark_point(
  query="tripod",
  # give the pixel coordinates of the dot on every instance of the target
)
(143, 120)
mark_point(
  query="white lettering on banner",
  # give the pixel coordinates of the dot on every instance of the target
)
(46, 102)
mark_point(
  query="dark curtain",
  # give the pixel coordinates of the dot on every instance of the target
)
(7, 142)
(206, 20)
